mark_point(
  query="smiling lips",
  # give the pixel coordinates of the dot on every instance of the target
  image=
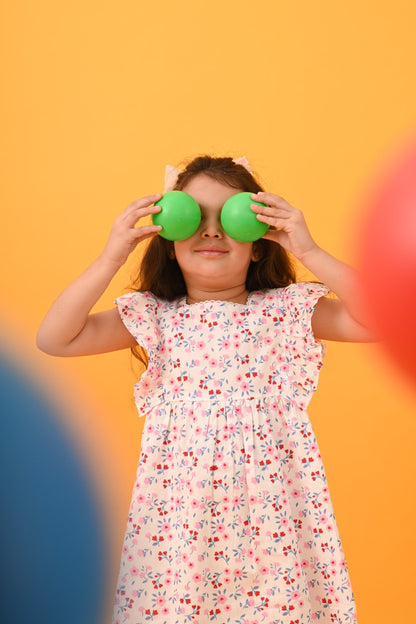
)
(211, 251)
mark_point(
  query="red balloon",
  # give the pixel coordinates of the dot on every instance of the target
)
(387, 250)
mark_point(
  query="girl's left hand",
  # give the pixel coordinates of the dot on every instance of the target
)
(287, 224)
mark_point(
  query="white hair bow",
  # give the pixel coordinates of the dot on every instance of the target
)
(172, 173)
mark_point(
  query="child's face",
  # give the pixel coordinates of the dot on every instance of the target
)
(211, 260)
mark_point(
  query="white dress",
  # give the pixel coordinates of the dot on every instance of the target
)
(231, 521)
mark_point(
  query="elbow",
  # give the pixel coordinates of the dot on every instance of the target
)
(48, 346)
(43, 346)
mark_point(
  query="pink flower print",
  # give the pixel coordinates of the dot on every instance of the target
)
(226, 344)
(221, 599)
(200, 345)
(160, 601)
(146, 385)
(134, 571)
(238, 573)
(197, 578)
(284, 368)
(213, 362)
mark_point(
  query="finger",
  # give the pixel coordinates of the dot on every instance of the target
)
(134, 213)
(272, 200)
(146, 231)
(142, 204)
(277, 223)
(269, 211)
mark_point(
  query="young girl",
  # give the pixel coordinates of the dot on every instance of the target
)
(231, 520)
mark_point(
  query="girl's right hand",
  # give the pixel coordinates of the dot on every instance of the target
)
(124, 236)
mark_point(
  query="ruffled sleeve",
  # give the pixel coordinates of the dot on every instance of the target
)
(304, 353)
(138, 311)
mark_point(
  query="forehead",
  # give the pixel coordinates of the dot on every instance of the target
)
(209, 193)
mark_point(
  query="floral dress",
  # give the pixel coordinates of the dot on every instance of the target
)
(231, 520)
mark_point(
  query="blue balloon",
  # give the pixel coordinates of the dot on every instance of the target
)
(52, 568)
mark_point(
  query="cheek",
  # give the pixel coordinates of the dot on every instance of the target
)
(182, 251)
(245, 252)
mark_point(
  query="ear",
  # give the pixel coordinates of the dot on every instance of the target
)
(256, 252)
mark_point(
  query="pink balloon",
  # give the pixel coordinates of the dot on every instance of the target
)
(387, 251)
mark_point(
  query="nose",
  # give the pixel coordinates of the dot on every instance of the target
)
(211, 228)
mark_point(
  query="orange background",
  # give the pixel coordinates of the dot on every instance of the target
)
(98, 97)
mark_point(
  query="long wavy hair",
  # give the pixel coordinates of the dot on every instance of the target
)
(159, 272)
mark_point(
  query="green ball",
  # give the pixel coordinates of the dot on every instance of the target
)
(239, 221)
(179, 217)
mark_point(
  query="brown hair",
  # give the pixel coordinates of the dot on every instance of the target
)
(160, 274)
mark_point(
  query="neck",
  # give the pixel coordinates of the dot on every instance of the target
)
(237, 294)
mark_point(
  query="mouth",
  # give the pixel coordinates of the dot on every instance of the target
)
(211, 251)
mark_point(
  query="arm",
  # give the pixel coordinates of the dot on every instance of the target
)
(68, 328)
(343, 319)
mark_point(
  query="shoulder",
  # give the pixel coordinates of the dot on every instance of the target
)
(142, 302)
(297, 297)
(136, 299)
